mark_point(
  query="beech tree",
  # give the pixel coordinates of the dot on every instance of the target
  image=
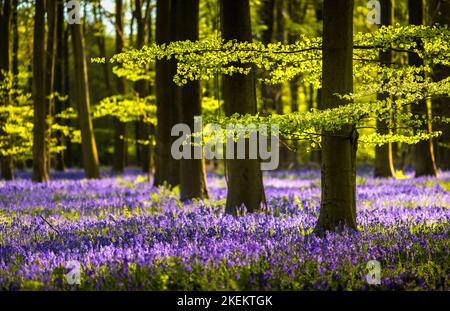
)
(5, 29)
(41, 109)
(338, 202)
(439, 13)
(88, 145)
(192, 171)
(384, 163)
(119, 127)
(424, 160)
(167, 169)
(244, 178)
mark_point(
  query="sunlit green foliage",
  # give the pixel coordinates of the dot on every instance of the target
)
(406, 85)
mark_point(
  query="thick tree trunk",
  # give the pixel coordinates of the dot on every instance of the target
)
(88, 145)
(245, 185)
(423, 151)
(338, 206)
(167, 169)
(41, 109)
(5, 25)
(384, 164)
(192, 172)
(439, 12)
(60, 87)
(119, 127)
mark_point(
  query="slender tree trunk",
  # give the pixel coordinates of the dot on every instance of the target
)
(5, 27)
(338, 206)
(59, 80)
(167, 168)
(192, 172)
(384, 164)
(245, 185)
(439, 12)
(119, 127)
(20, 164)
(423, 151)
(51, 7)
(141, 86)
(267, 16)
(102, 48)
(15, 47)
(68, 162)
(88, 145)
(40, 168)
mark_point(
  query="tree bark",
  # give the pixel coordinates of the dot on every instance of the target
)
(141, 86)
(245, 185)
(384, 163)
(423, 151)
(40, 156)
(193, 171)
(51, 7)
(167, 170)
(338, 205)
(439, 13)
(88, 145)
(68, 160)
(60, 87)
(5, 27)
(119, 127)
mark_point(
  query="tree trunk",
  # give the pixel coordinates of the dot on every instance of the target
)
(119, 127)
(88, 145)
(40, 156)
(5, 25)
(423, 151)
(338, 206)
(141, 87)
(167, 168)
(439, 12)
(51, 7)
(192, 172)
(267, 16)
(384, 163)
(68, 161)
(59, 80)
(245, 185)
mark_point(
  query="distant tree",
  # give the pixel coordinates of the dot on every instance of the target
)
(192, 172)
(119, 127)
(384, 164)
(142, 14)
(439, 13)
(60, 85)
(424, 161)
(88, 145)
(244, 177)
(5, 29)
(338, 203)
(51, 8)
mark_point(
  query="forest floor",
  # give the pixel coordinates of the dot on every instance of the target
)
(127, 235)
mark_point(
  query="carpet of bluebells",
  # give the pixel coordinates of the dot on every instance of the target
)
(130, 236)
